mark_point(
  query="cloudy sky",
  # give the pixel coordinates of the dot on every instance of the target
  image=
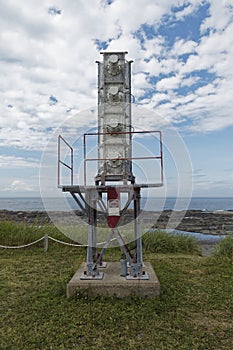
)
(182, 71)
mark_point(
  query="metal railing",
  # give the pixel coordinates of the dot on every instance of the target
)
(160, 156)
(86, 159)
(60, 162)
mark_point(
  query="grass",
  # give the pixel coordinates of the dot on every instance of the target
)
(12, 233)
(163, 242)
(194, 310)
(225, 249)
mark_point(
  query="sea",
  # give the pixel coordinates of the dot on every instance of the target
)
(151, 203)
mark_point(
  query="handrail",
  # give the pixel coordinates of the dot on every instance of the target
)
(160, 156)
(71, 166)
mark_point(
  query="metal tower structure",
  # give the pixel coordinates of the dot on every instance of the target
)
(114, 119)
(115, 169)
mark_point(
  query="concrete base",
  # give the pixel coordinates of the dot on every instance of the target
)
(113, 284)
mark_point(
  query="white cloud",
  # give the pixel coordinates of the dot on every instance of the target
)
(182, 47)
(206, 107)
(154, 47)
(221, 13)
(43, 55)
(13, 162)
(19, 186)
(189, 81)
(168, 84)
(46, 55)
(140, 84)
(189, 8)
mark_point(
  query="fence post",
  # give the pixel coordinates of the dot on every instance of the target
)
(46, 243)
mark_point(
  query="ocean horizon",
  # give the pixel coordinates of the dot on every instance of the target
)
(151, 203)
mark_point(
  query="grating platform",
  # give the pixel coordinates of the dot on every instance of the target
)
(113, 284)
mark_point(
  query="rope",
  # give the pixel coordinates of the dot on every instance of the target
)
(76, 245)
(22, 246)
(53, 239)
(66, 243)
(101, 243)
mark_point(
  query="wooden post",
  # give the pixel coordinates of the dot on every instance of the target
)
(46, 243)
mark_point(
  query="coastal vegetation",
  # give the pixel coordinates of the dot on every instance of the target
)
(193, 311)
(224, 250)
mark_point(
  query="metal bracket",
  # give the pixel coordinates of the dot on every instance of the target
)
(85, 276)
(143, 276)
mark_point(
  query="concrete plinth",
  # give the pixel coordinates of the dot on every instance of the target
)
(113, 284)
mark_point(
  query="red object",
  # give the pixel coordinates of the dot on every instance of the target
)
(113, 197)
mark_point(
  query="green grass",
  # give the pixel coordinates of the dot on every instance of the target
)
(194, 310)
(225, 249)
(14, 234)
(162, 242)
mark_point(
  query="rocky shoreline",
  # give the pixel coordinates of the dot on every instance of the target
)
(216, 222)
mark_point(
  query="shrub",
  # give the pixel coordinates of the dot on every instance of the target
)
(163, 242)
(225, 249)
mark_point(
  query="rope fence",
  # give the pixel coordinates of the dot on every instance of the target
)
(22, 246)
(46, 243)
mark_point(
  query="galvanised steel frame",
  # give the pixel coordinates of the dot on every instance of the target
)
(90, 198)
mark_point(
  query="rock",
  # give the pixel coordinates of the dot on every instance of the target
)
(193, 220)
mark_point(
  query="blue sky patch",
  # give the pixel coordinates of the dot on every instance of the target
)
(52, 100)
(188, 28)
(54, 11)
(101, 45)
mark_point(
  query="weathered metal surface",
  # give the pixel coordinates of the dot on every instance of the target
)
(114, 118)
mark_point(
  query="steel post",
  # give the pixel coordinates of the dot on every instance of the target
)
(91, 248)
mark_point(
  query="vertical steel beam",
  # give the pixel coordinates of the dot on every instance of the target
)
(136, 266)
(89, 242)
(92, 223)
(138, 232)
